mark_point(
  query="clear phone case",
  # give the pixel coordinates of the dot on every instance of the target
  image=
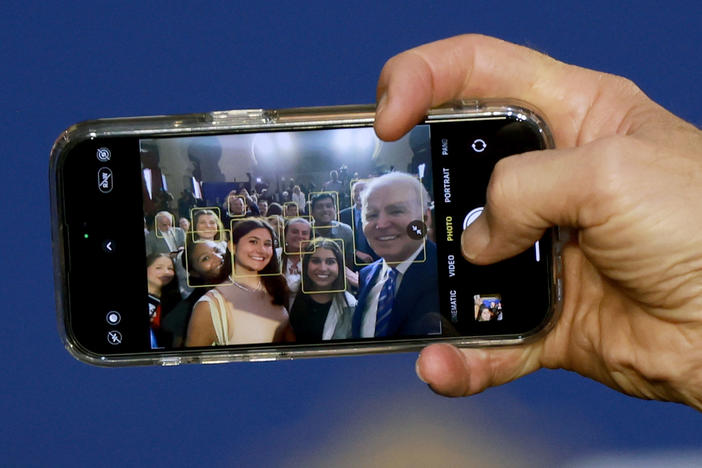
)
(265, 120)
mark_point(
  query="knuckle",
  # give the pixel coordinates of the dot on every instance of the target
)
(609, 170)
(624, 86)
(501, 188)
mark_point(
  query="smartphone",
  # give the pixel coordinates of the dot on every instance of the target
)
(255, 235)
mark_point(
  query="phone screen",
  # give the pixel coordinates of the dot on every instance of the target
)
(291, 238)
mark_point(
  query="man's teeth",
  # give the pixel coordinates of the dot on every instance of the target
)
(385, 238)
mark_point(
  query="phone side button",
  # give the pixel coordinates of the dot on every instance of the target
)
(170, 361)
(262, 359)
(215, 361)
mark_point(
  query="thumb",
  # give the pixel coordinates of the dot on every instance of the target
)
(456, 372)
(527, 194)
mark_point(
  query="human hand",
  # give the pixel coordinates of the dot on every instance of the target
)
(363, 257)
(351, 277)
(627, 175)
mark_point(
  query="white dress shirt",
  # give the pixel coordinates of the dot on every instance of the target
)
(169, 237)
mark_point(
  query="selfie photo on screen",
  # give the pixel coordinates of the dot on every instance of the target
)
(294, 236)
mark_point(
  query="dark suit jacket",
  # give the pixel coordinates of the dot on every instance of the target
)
(415, 310)
(347, 216)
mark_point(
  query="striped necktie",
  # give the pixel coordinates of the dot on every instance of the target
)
(385, 300)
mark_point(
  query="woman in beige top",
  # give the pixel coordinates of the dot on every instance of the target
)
(251, 309)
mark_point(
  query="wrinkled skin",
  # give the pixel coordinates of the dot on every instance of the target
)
(626, 174)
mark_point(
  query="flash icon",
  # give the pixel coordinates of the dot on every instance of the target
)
(114, 337)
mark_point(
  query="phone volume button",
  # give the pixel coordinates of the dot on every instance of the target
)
(239, 117)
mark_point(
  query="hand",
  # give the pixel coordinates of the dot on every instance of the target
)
(363, 257)
(627, 175)
(351, 277)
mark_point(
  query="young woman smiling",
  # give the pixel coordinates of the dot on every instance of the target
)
(322, 309)
(251, 308)
(207, 226)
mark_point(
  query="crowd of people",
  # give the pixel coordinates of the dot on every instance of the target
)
(327, 265)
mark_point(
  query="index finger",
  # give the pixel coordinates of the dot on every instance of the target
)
(581, 104)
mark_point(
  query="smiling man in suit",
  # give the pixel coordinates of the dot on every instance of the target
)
(397, 296)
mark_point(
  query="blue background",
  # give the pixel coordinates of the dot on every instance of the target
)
(70, 61)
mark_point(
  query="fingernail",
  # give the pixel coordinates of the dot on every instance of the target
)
(475, 238)
(419, 374)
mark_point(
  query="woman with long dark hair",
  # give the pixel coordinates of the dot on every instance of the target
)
(322, 309)
(252, 308)
(206, 264)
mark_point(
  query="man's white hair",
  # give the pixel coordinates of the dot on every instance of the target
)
(166, 214)
(398, 179)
